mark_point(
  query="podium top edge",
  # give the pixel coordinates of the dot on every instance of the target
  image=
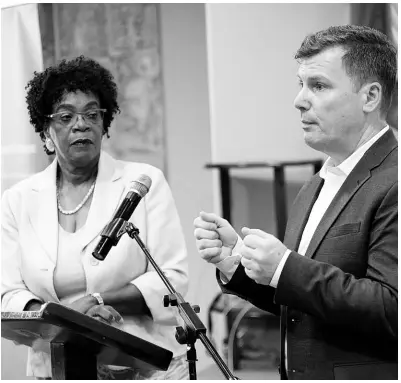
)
(12, 315)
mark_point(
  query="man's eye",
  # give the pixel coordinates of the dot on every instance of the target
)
(318, 86)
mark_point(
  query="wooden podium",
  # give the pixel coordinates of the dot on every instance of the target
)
(77, 342)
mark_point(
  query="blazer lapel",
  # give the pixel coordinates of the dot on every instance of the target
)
(353, 182)
(359, 175)
(298, 218)
(106, 197)
(43, 207)
(43, 210)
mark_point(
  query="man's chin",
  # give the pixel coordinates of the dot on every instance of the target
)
(314, 142)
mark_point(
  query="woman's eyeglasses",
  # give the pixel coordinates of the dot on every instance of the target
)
(68, 118)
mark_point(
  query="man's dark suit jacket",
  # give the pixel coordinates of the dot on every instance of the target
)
(338, 303)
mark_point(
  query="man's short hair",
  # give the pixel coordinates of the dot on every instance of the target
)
(369, 55)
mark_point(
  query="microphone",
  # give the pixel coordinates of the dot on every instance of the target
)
(111, 233)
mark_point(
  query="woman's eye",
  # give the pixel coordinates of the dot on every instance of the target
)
(66, 117)
(91, 115)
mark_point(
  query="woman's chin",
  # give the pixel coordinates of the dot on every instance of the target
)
(83, 155)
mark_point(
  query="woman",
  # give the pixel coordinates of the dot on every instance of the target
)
(51, 222)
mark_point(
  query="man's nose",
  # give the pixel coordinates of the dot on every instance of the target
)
(301, 101)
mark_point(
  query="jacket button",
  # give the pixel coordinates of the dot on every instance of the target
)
(94, 262)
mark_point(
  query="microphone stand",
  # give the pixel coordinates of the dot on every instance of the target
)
(194, 328)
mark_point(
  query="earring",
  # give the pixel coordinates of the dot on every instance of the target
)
(49, 145)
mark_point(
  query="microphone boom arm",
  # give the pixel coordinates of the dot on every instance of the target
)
(195, 329)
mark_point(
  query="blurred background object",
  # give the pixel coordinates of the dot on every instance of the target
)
(199, 84)
(21, 150)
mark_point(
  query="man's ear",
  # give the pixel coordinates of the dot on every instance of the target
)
(372, 96)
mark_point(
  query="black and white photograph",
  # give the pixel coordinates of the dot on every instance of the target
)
(199, 191)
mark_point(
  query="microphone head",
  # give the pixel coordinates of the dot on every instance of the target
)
(142, 185)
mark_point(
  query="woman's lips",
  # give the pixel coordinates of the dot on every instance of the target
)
(82, 141)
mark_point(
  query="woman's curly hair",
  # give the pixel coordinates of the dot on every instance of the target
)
(48, 87)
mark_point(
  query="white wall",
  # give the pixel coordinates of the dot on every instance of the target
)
(21, 148)
(252, 77)
(21, 51)
(188, 137)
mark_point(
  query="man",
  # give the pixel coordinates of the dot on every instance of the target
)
(334, 280)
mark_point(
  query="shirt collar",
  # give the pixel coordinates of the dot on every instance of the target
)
(346, 167)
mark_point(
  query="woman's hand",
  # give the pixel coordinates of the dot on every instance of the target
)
(88, 305)
(105, 314)
(83, 304)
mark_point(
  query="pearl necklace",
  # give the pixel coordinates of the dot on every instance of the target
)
(69, 212)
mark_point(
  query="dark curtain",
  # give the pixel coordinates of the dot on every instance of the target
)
(371, 15)
(379, 16)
